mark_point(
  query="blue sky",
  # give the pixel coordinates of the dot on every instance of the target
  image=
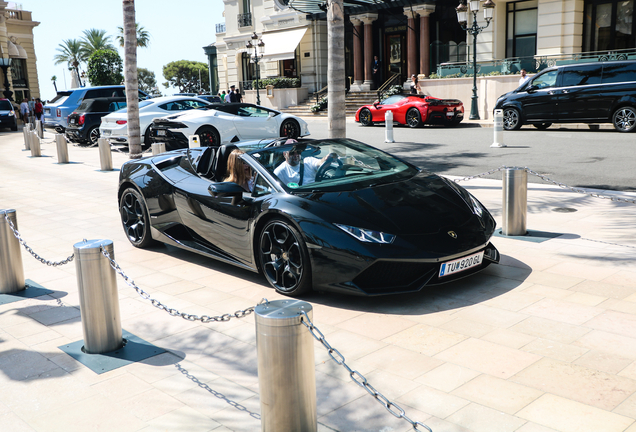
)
(178, 31)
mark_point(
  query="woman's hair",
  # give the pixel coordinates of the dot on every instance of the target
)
(235, 170)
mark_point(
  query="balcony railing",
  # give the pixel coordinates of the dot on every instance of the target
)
(245, 20)
(531, 64)
(220, 28)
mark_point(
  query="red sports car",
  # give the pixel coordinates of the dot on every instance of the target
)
(413, 110)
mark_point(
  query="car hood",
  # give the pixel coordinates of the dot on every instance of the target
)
(424, 204)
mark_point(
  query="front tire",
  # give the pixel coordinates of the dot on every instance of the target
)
(134, 218)
(413, 118)
(283, 258)
(624, 119)
(365, 117)
(209, 137)
(511, 119)
(290, 129)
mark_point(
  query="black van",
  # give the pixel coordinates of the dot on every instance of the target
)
(601, 92)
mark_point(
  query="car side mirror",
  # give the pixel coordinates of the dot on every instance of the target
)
(375, 104)
(532, 89)
(271, 114)
(225, 189)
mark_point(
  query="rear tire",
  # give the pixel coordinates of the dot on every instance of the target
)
(145, 145)
(93, 135)
(624, 119)
(413, 118)
(209, 136)
(290, 129)
(511, 119)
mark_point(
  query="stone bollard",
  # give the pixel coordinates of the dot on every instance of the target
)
(286, 370)
(11, 270)
(498, 127)
(39, 128)
(515, 201)
(27, 137)
(388, 123)
(105, 156)
(35, 144)
(62, 148)
(158, 148)
(99, 302)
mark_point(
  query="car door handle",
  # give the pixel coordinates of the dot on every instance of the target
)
(565, 91)
(551, 92)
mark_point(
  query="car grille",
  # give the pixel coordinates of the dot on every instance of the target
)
(384, 276)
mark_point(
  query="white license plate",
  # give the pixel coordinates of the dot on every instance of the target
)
(106, 132)
(161, 133)
(449, 114)
(461, 264)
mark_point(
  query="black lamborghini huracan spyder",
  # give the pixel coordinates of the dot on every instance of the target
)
(361, 221)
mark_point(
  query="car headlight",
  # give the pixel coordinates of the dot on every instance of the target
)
(368, 236)
(478, 209)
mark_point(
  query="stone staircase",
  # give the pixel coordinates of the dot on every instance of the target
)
(353, 101)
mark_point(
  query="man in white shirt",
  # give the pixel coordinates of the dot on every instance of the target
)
(289, 172)
(524, 77)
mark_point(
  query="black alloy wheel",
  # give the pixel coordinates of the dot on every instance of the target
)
(511, 119)
(134, 218)
(365, 117)
(624, 119)
(208, 137)
(93, 135)
(413, 118)
(290, 129)
(542, 126)
(284, 259)
(146, 142)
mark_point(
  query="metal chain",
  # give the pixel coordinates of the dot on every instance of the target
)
(556, 183)
(358, 378)
(31, 251)
(174, 312)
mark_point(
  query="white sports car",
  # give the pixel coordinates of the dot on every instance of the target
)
(224, 123)
(115, 125)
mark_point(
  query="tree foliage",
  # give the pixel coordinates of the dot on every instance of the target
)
(105, 68)
(70, 52)
(184, 75)
(95, 40)
(143, 37)
(147, 81)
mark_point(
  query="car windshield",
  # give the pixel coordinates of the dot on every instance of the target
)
(331, 165)
(393, 99)
(5, 105)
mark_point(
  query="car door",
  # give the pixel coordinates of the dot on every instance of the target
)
(579, 94)
(392, 103)
(254, 122)
(538, 99)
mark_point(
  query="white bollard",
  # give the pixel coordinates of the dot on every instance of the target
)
(388, 122)
(193, 141)
(158, 148)
(498, 140)
(27, 137)
(35, 144)
(105, 156)
(62, 148)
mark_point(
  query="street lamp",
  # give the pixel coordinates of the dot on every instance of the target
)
(259, 49)
(474, 30)
(5, 62)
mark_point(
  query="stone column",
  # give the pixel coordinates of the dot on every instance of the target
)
(411, 44)
(358, 57)
(368, 19)
(425, 41)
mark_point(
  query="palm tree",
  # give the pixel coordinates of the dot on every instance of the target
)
(94, 40)
(70, 52)
(143, 37)
(54, 78)
(131, 79)
(335, 69)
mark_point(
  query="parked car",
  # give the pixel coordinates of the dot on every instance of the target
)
(83, 124)
(368, 224)
(601, 92)
(57, 111)
(223, 123)
(115, 125)
(8, 117)
(211, 98)
(413, 111)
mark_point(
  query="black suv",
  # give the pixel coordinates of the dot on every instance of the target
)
(83, 123)
(7, 115)
(602, 92)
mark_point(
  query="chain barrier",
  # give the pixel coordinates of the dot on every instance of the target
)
(358, 378)
(31, 251)
(174, 312)
(556, 183)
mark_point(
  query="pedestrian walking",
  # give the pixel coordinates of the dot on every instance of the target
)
(239, 96)
(232, 94)
(524, 77)
(415, 86)
(376, 71)
(24, 111)
(228, 97)
(38, 109)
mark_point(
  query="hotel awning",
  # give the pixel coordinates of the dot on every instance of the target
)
(281, 45)
(16, 51)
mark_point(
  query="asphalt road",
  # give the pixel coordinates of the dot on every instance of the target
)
(602, 159)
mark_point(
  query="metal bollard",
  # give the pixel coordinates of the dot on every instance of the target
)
(286, 370)
(99, 304)
(35, 144)
(27, 137)
(11, 270)
(62, 148)
(39, 129)
(158, 148)
(515, 201)
(498, 127)
(193, 141)
(388, 122)
(105, 156)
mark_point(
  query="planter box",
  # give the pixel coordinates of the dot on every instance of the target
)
(279, 99)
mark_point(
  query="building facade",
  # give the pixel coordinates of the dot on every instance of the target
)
(16, 43)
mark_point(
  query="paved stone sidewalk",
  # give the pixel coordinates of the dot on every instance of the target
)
(544, 342)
